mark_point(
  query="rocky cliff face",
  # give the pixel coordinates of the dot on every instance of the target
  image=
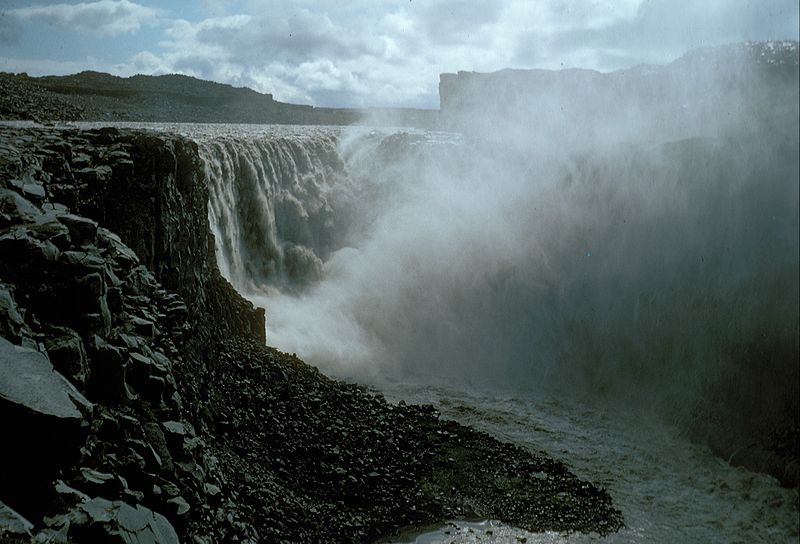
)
(84, 317)
(139, 403)
(151, 192)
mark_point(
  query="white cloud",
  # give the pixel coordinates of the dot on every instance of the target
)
(661, 30)
(104, 18)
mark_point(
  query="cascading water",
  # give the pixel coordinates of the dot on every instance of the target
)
(271, 208)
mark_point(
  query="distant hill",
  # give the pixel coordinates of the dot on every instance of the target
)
(97, 96)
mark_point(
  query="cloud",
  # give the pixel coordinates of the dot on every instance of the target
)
(10, 30)
(661, 30)
(302, 56)
(104, 18)
(377, 53)
(459, 21)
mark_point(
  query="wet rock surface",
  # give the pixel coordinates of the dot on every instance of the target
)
(178, 423)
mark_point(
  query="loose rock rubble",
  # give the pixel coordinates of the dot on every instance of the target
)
(141, 405)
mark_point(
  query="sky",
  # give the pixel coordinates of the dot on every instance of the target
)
(359, 53)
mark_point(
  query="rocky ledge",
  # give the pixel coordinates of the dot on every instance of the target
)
(140, 404)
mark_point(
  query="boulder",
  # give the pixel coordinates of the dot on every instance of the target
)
(24, 257)
(108, 381)
(38, 408)
(47, 227)
(122, 254)
(16, 209)
(117, 522)
(155, 438)
(66, 351)
(178, 438)
(11, 322)
(130, 525)
(12, 524)
(83, 262)
(81, 229)
(29, 187)
(29, 381)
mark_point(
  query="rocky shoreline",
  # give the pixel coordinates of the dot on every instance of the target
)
(142, 405)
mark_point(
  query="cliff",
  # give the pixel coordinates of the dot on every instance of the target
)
(122, 345)
(706, 91)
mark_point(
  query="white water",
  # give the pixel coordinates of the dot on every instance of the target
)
(669, 489)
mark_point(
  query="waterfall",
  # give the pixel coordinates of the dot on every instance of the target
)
(663, 274)
(272, 213)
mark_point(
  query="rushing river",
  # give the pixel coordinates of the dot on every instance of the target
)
(668, 488)
(632, 308)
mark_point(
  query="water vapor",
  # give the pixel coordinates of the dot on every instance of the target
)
(633, 238)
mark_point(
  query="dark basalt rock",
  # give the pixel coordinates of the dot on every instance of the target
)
(12, 525)
(28, 380)
(39, 408)
(81, 229)
(68, 355)
(102, 520)
(12, 325)
(14, 208)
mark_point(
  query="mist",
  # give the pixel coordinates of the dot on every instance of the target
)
(631, 237)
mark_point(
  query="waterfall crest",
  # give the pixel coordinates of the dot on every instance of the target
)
(271, 209)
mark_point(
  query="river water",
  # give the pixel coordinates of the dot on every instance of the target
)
(668, 488)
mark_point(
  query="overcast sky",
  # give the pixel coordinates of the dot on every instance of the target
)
(368, 52)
